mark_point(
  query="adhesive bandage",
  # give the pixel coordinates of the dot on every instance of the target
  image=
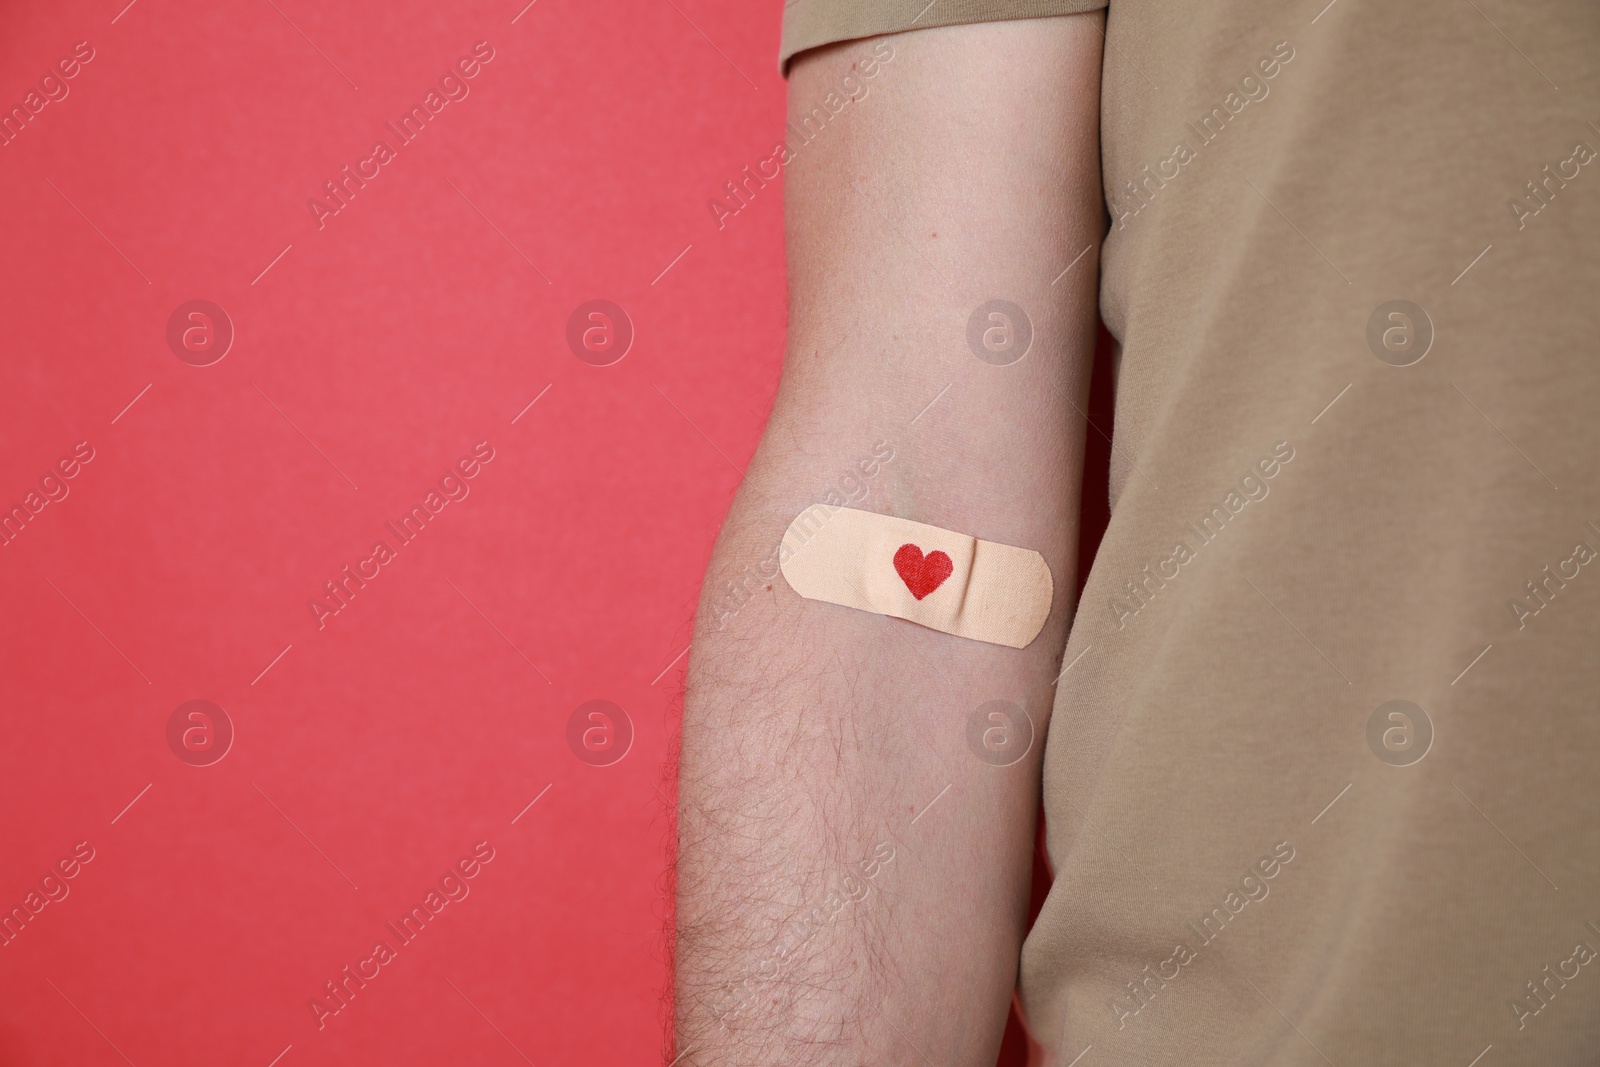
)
(909, 570)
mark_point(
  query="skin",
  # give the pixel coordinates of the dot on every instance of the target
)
(817, 739)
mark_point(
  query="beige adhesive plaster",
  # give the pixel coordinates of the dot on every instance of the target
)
(993, 592)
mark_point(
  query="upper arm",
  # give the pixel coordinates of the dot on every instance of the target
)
(964, 170)
(960, 170)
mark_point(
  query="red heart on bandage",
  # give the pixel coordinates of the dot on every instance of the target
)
(922, 574)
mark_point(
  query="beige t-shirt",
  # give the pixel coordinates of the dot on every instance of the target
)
(1322, 778)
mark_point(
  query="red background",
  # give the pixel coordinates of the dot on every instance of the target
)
(376, 750)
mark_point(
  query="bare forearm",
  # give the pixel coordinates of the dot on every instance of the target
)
(827, 913)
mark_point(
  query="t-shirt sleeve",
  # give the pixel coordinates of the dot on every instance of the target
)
(810, 23)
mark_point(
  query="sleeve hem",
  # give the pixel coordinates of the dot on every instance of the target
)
(812, 23)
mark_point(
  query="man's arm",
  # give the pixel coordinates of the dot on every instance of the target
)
(826, 912)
